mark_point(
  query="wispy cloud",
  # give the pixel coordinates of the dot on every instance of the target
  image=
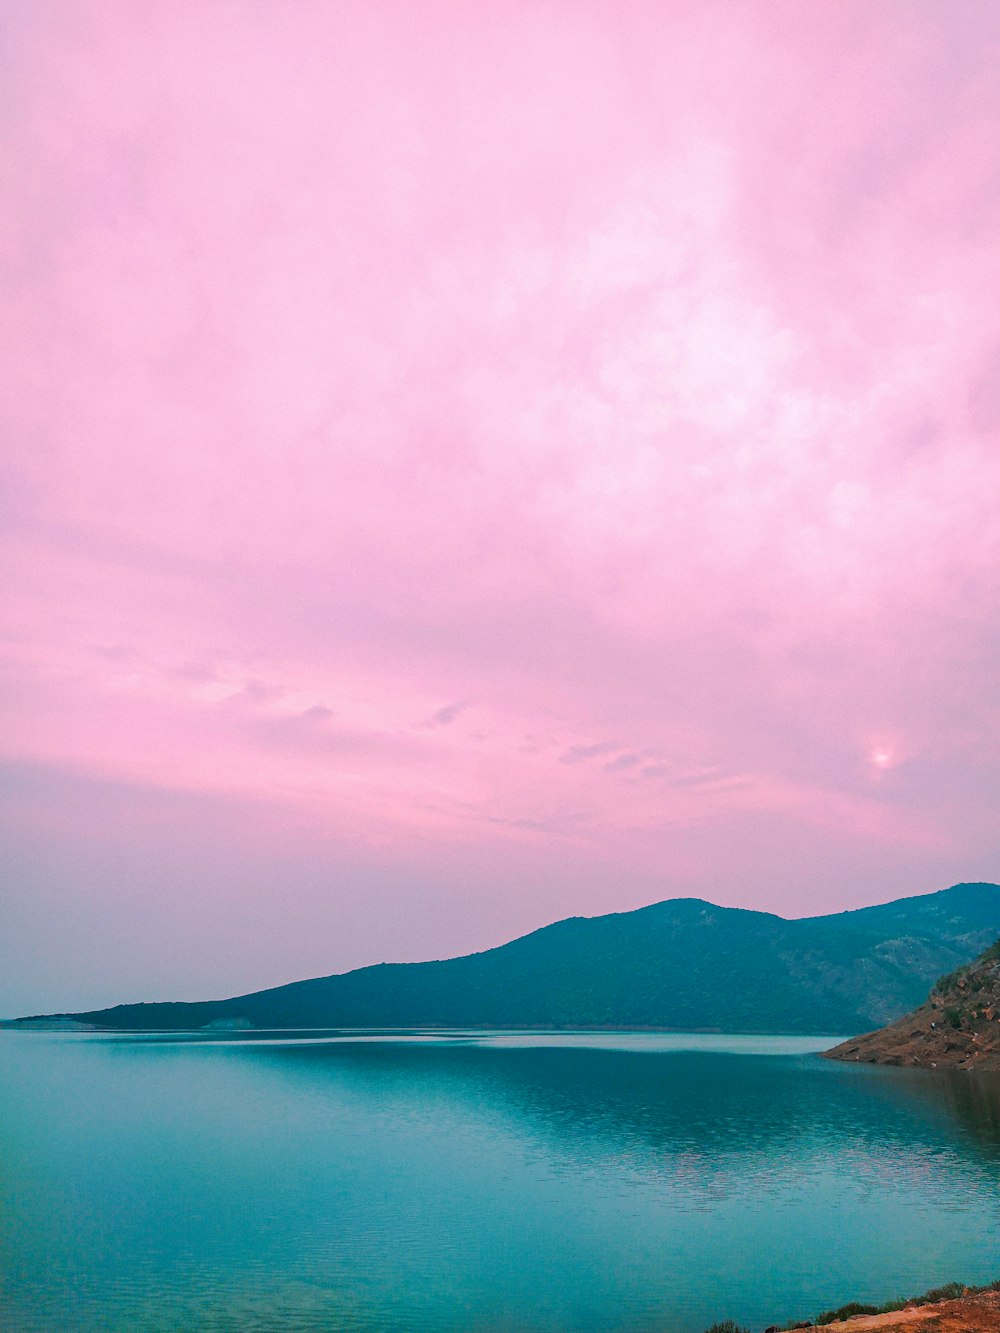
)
(578, 754)
(623, 762)
(446, 715)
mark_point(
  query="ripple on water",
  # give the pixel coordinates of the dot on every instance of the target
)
(478, 1181)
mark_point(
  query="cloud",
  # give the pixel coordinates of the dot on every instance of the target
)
(445, 716)
(623, 761)
(624, 369)
(578, 754)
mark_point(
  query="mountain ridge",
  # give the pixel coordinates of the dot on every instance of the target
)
(681, 963)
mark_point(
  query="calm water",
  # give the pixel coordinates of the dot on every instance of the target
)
(472, 1183)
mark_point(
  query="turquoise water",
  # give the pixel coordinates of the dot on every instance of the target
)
(618, 1183)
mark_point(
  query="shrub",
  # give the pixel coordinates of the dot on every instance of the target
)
(846, 1312)
(948, 1292)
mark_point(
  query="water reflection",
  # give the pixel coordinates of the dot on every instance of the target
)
(614, 1103)
(479, 1183)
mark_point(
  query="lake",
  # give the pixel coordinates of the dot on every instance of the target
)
(465, 1183)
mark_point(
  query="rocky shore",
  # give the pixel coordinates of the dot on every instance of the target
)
(948, 1309)
(974, 1313)
(958, 1027)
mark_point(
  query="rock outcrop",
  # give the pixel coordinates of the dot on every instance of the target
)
(958, 1027)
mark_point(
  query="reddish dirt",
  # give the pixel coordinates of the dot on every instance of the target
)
(967, 1314)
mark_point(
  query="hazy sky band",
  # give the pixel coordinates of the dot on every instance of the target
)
(465, 465)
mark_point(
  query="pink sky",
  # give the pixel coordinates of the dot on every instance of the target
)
(471, 464)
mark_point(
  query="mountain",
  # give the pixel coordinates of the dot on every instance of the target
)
(682, 964)
(958, 1026)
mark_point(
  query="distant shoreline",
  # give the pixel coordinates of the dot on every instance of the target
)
(56, 1024)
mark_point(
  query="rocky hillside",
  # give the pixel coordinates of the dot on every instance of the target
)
(959, 1026)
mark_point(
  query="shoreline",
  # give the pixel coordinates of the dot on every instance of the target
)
(951, 1308)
